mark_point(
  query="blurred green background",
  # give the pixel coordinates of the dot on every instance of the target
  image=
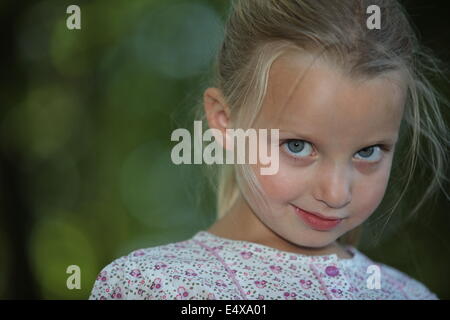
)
(85, 123)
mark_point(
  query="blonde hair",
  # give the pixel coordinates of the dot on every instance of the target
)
(257, 32)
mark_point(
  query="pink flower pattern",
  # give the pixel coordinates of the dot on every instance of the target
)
(207, 266)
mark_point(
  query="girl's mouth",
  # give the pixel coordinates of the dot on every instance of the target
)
(316, 220)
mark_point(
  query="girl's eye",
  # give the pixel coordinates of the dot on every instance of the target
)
(300, 149)
(371, 154)
(297, 148)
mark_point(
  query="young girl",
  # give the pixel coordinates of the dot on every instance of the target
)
(341, 95)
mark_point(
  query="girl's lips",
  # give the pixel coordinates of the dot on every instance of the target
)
(317, 222)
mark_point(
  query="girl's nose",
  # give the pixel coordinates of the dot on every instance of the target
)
(333, 186)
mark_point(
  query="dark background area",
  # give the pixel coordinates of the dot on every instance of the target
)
(85, 123)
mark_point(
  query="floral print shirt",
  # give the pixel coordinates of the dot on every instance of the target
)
(207, 266)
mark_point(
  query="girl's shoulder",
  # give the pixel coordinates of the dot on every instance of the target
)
(409, 286)
(389, 282)
(151, 273)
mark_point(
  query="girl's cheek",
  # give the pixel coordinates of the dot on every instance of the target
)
(368, 195)
(282, 186)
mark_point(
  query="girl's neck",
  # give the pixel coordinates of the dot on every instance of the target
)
(241, 224)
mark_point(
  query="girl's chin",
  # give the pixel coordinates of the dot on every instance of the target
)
(316, 244)
(316, 239)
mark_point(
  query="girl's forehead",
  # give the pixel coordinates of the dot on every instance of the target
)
(311, 96)
(295, 78)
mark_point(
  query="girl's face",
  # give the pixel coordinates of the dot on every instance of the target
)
(337, 141)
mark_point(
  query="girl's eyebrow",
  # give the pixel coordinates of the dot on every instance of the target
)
(391, 140)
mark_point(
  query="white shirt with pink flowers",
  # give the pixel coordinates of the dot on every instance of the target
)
(210, 267)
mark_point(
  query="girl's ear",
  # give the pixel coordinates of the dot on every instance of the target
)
(217, 112)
